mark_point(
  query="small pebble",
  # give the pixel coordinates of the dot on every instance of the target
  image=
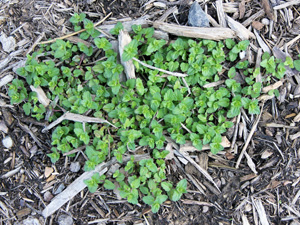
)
(59, 189)
(205, 209)
(7, 142)
(65, 220)
(242, 54)
(75, 167)
(30, 221)
(48, 196)
(265, 21)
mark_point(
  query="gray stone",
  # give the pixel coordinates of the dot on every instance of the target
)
(29, 221)
(197, 17)
(75, 167)
(65, 220)
(7, 142)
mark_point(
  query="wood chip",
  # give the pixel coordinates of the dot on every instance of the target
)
(41, 95)
(241, 31)
(76, 118)
(250, 163)
(272, 86)
(23, 212)
(5, 80)
(261, 211)
(211, 33)
(124, 39)
(242, 9)
(194, 202)
(287, 4)
(297, 118)
(248, 177)
(3, 127)
(248, 21)
(294, 136)
(200, 169)
(268, 9)
(221, 13)
(261, 42)
(257, 25)
(48, 171)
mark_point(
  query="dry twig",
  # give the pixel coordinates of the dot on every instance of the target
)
(160, 70)
(74, 33)
(249, 138)
(211, 33)
(76, 118)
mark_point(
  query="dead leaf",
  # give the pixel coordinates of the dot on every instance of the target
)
(242, 9)
(273, 184)
(268, 9)
(257, 25)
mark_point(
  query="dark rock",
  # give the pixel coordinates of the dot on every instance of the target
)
(197, 17)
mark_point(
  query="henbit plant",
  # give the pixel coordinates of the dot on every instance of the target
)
(143, 110)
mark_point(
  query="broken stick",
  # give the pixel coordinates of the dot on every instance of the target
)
(211, 33)
(76, 118)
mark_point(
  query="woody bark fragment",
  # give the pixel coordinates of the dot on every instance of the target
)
(268, 9)
(124, 39)
(211, 33)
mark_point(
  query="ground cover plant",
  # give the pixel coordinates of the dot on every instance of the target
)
(144, 111)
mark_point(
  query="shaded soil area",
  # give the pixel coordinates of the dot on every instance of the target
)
(269, 186)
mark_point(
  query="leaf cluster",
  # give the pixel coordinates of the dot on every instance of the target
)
(143, 110)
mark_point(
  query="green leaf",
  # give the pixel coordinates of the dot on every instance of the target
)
(116, 29)
(229, 43)
(166, 186)
(135, 183)
(155, 45)
(231, 72)
(109, 185)
(181, 186)
(130, 50)
(253, 107)
(54, 156)
(92, 186)
(216, 147)
(140, 87)
(242, 45)
(148, 199)
(89, 26)
(233, 111)
(155, 207)
(102, 43)
(27, 108)
(161, 199)
(245, 102)
(297, 64)
(174, 195)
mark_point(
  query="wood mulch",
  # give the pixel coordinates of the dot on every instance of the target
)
(258, 177)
